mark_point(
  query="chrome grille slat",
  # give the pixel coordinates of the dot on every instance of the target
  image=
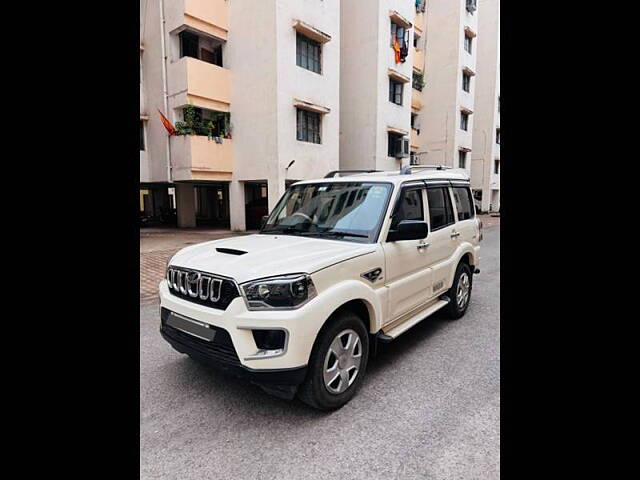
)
(201, 287)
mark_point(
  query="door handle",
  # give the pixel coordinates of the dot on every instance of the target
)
(455, 234)
(422, 245)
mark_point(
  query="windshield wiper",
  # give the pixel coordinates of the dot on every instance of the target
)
(288, 229)
(335, 233)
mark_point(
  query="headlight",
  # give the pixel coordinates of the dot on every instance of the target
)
(284, 293)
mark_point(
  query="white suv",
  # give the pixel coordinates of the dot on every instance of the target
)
(340, 264)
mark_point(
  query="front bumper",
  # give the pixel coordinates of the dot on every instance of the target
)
(221, 354)
(237, 347)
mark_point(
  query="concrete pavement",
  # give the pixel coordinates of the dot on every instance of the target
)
(429, 407)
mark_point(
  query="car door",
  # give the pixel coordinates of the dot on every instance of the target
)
(443, 237)
(466, 224)
(407, 278)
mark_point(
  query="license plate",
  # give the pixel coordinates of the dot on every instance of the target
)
(192, 327)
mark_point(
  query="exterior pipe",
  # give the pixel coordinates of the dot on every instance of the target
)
(165, 92)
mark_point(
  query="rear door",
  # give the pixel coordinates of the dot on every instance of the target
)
(442, 237)
(408, 277)
(466, 225)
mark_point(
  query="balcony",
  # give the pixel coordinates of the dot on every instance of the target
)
(416, 99)
(198, 158)
(207, 16)
(418, 60)
(202, 84)
(414, 138)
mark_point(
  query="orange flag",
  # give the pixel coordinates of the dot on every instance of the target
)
(167, 124)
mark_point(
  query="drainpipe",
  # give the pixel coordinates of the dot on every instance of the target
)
(165, 93)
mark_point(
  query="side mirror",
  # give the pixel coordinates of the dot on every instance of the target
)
(409, 230)
(263, 222)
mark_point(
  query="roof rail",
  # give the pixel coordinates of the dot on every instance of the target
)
(406, 170)
(334, 172)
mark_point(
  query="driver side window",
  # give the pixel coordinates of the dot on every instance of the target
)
(409, 207)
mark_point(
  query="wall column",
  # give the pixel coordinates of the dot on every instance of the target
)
(186, 205)
(237, 206)
(275, 190)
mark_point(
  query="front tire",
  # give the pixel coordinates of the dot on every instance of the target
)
(337, 364)
(460, 292)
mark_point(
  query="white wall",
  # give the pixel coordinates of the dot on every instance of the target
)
(485, 148)
(443, 96)
(311, 160)
(366, 56)
(359, 65)
(152, 91)
(265, 80)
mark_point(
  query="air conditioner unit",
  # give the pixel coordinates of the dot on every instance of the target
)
(402, 147)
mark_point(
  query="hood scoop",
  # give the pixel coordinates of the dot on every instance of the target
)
(230, 251)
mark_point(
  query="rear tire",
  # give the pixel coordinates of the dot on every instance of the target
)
(460, 292)
(338, 363)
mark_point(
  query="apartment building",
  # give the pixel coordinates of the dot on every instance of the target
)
(252, 89)
(448, 112)
(376, 69)
(485, 163)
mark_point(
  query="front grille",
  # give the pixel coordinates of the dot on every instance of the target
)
(201, 288)
(220, 349)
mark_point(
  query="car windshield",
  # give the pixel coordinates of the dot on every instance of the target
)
(350, 211)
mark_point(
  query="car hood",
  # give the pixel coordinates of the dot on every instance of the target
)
(267, 255)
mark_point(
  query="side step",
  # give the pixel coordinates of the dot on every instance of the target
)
(386, 337)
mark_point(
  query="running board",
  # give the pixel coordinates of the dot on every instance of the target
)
(412, 321)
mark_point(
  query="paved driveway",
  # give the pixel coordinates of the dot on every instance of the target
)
(429, 408)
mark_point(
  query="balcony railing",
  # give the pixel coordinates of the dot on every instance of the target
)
(200, 158)
(206, 85)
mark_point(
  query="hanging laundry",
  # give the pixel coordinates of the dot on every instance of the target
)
(396, 48)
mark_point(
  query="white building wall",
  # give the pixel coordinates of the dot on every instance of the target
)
(359, 68)
(485, 148)
(366, 57)
(294, 82)
(443, 96)
(153, 164)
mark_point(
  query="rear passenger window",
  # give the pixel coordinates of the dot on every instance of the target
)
(409, 207)
(464, 204)
(440, 209)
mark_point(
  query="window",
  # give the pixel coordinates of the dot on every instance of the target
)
(462, 158)
(409, 207)
(498, 136)
(395, 91)
(394, 144)
(466, 81)
(467, 42)
(417, 81)
(464, 121)
(308, 126)
(398, 32)
(440, 209)
(414, 122)
(205, 49)
(496, 167)
(464, 204)
(308, 53)
(141, 135)
(416, 40)
(471, 6)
